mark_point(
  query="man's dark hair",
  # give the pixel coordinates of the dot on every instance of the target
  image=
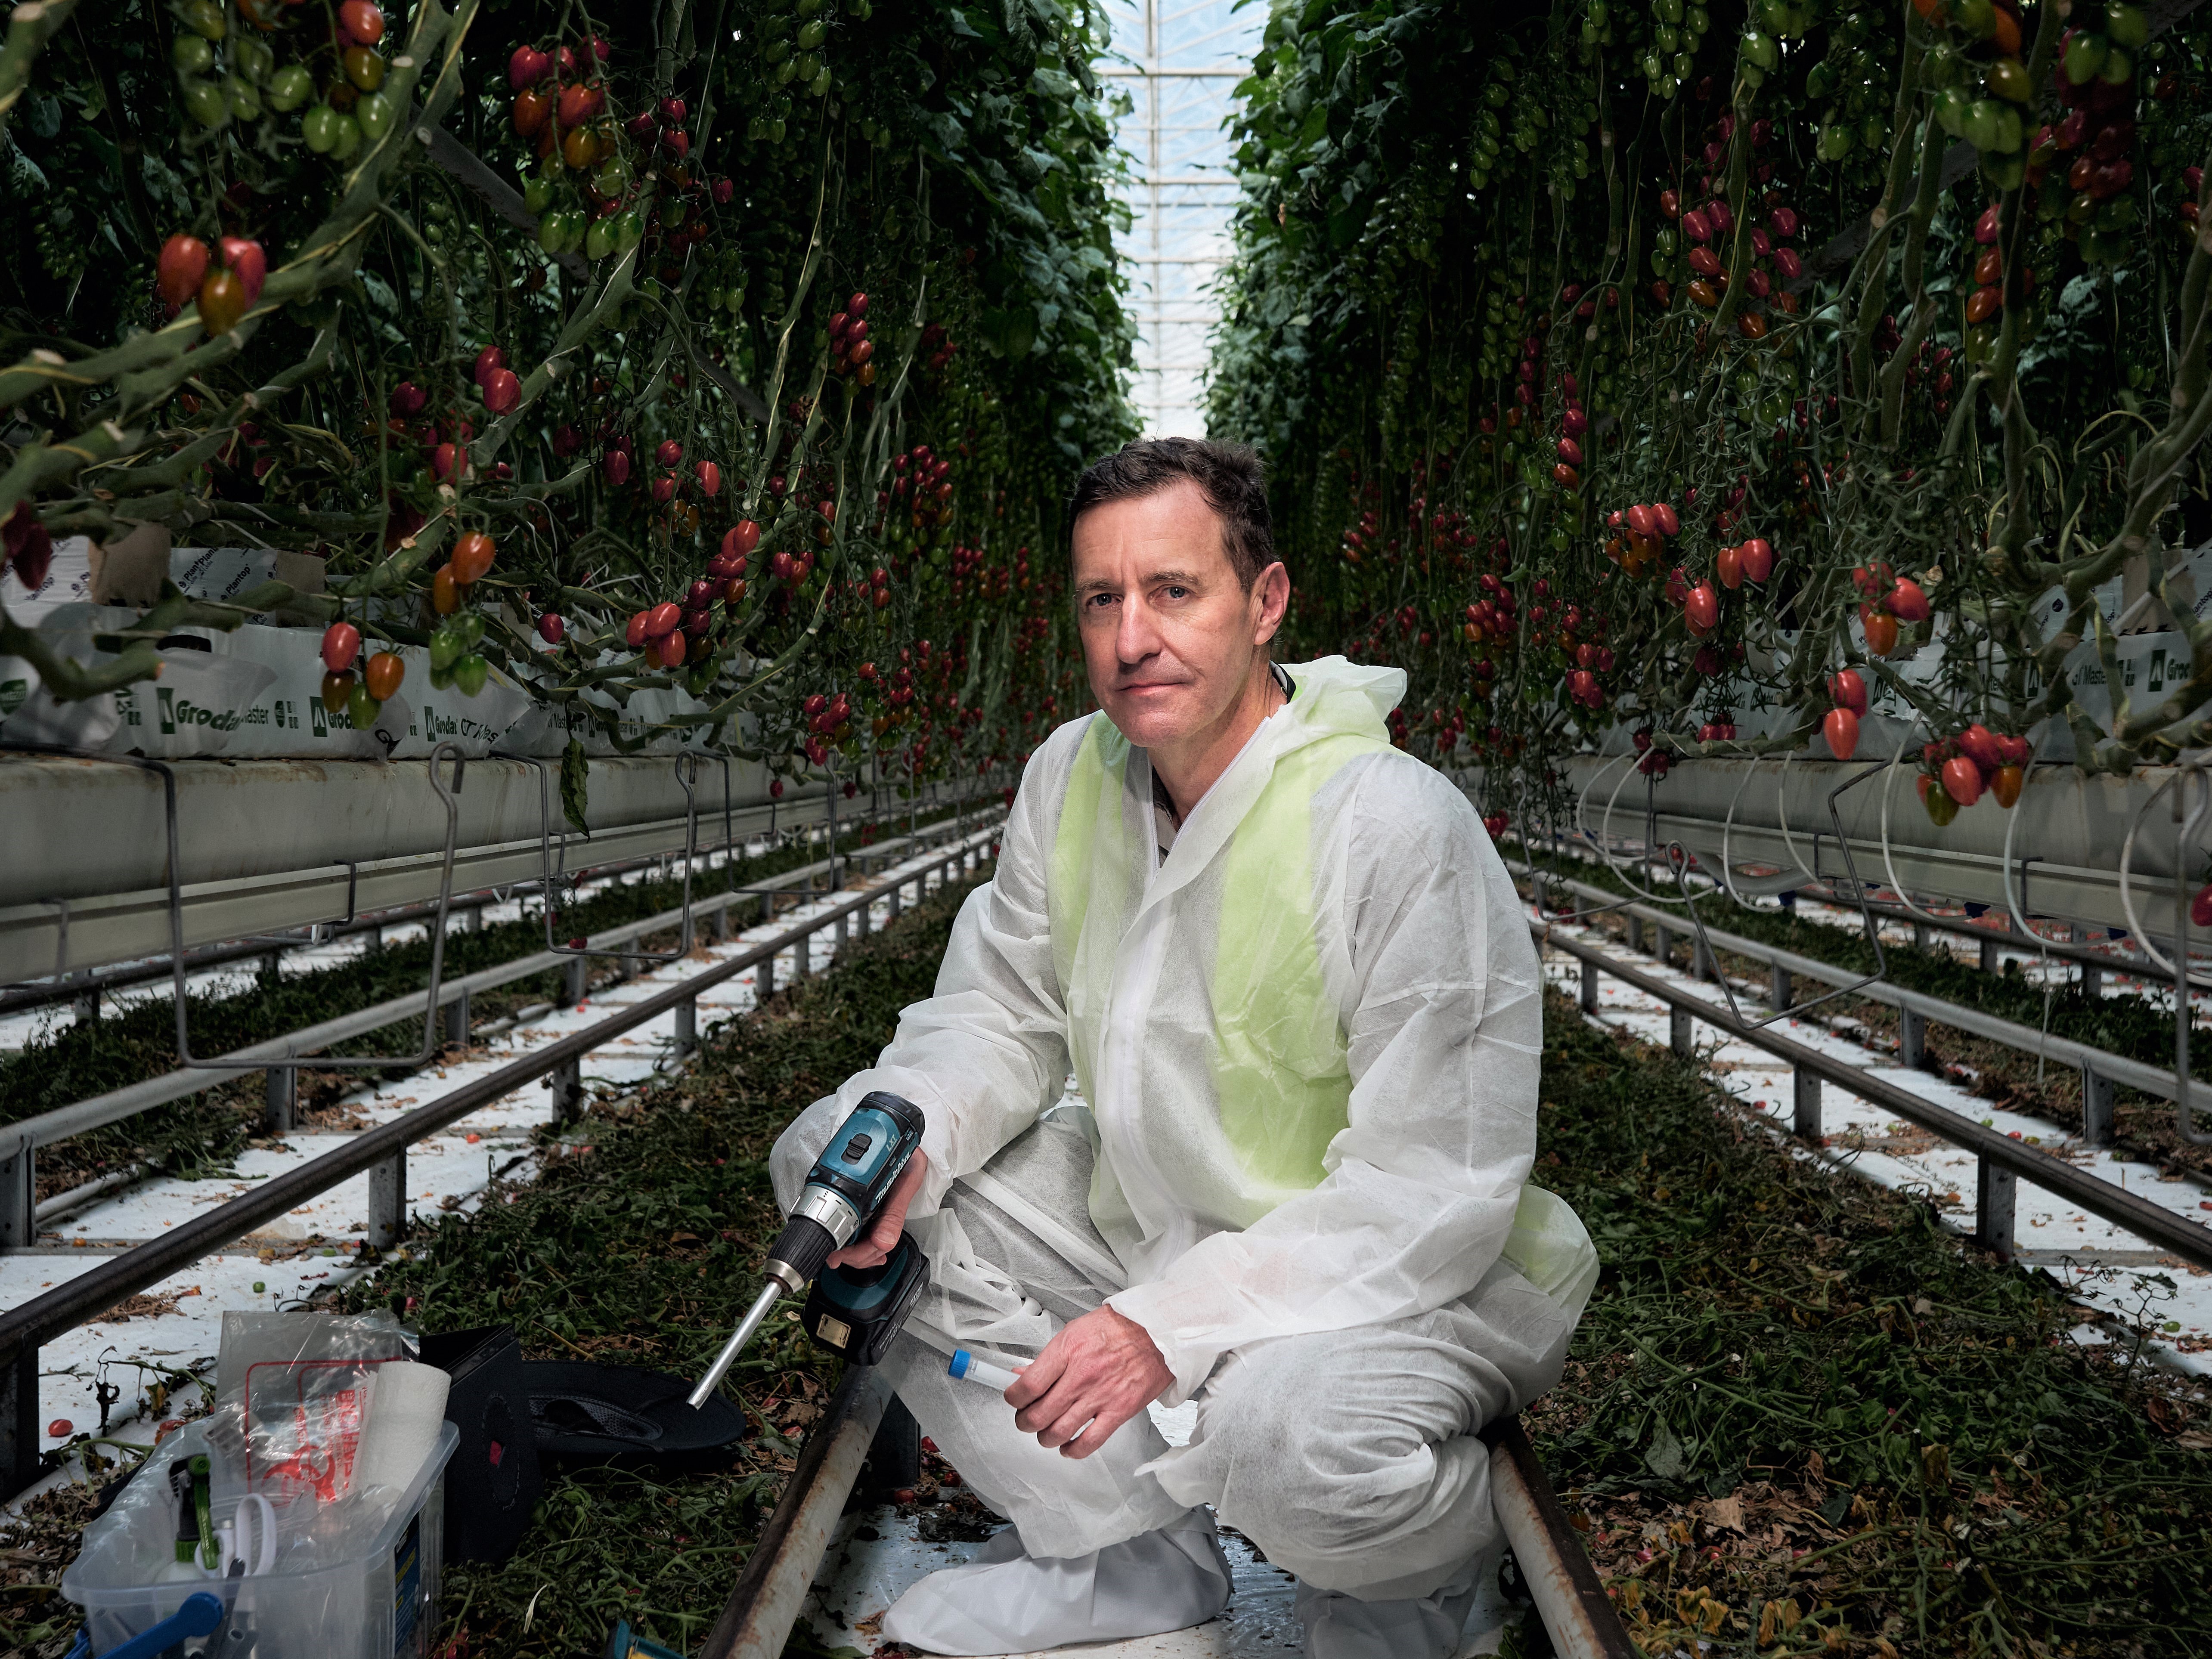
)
(1228, 476)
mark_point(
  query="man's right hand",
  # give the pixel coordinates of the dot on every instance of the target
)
(873, 1248)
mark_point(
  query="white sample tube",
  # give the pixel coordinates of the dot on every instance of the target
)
(970, 1369)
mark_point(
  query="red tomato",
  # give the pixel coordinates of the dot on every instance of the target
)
(710, 478)
(489, 358)
(741, 537)
(1641, 521)
(502, 391)
(1847, 687)
(472, 556)
(670, 647)
(551, 628)
(1702, 608)
(617, 465)
(1840, 726)
(1758, 560)
(445, 592)
(635, 633)
(341, 644)
(662, 620)
(383, 675)
(527, 67)
(1909, 604)
(670, 452)
(1664, 515)
(2006, 785)
(530, 109)
(1880, 632)
(361, 19)
(181, 269)
(1728, 565)
(336, 688)
(2200, 907)
(1962, 780)
(1980, 745)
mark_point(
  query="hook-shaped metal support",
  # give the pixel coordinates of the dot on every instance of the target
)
(687, 775)
(298, 1063)
(1678, 860)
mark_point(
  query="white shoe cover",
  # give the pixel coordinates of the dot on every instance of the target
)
(1004, 1602)
(1340, 1626)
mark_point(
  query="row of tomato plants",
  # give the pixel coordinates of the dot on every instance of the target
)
(1654, 369)
(765, 410)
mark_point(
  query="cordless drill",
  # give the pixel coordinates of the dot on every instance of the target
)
(855, 1310)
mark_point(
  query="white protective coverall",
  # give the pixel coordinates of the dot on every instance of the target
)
(1308, 1041)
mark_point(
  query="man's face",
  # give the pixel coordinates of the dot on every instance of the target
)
(1170, 638)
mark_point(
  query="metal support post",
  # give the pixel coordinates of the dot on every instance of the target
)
(457, 1019)
(1911, 1038)
(687, 1026)
(1781, 992)
(376, 936)
(898, 897)
(268, 966)
(19, 1196)
(387, 1201)
(844, 932)
(1989, 956)
(1805, 1105)
(1636, 934)
(1663, 944)
(1678, 1032)
(1995, 1190)
(580, 977)
(722, 924)
(281, 1100)
(2097, 1094)
(86, 1007)
(1920, 936)
(566, 1083)
(1589, 987)
(1703, 966)
(18, 1422)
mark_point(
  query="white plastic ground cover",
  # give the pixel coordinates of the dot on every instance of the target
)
(875, 1553)
(175, 1326)
(2107, 1269)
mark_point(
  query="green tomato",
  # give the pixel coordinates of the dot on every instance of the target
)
(785, 70)
(630, 228)
(446, 646)
(808, 66)
(2003, 170)
(1951, 111)
(1835, 142)
(192, 55)
(2085, 55)
(1683, 64)
(737, 299)
(776, 51)
(2127, 25)
(1872, 132)
(254, 59)
(813, 35)
(538, 196)
(244, 103)
(1666, 41)
(440, 679)
(820, 84)
(377, 115)
(1981, 129)
(205, 17)
(206, 104)
(2007, 78)
(290, 86)
(1758, 48)
(346, 138)
(2119, 68)
(1977, 17)
(470, 627)
(319, 127)
(600, 240)
(469, 673)
(552, 227)
(362, 709)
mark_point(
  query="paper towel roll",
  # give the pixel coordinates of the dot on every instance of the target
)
(406, 1409)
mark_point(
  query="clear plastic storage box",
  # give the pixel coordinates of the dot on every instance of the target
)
(345, 1580)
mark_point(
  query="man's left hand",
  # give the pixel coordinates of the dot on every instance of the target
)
(1102, 1370)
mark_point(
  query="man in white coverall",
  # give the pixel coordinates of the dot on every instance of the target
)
(1294, 984)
